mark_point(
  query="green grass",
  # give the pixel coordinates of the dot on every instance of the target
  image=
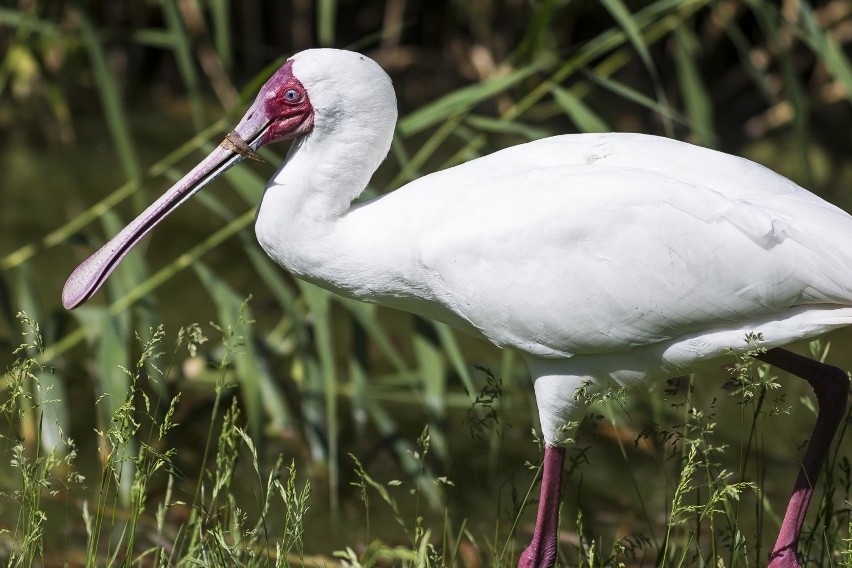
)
(716, 512)
(217, 531)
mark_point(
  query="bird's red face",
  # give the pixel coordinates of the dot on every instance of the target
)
(281, 111)
(287, 104)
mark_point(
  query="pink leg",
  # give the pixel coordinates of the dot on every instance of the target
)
(831, 387)
(541, 553)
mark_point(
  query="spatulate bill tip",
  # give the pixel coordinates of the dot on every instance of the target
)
(72, 294)
(86, 279)
(69, 303)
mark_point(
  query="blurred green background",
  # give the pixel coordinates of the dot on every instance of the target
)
(104, 104)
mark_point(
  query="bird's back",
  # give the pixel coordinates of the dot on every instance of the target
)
(592, 244)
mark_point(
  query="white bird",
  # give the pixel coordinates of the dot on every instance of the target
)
(604, 259)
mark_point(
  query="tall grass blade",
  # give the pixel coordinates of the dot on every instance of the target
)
(770, 22)
(48, 391)
(319, 304)
(584, 118)
(433, 374)
(537, 30)
(464, 99)
(221, 17)
(828, 52)
(450, 346)
(502, 126)
(630, 94)
(152, 37)
(366, 316)
(26, 22)
(111, 363)
(235, 315)
(326, 21)
(631, 27)
(759, 76)
(274, 281)
(111, 99)
(182, 49)
(358, 379)
(699, 108)
(426, 151)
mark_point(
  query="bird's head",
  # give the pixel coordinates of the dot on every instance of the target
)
(281, 110)
(317, 92)
(312, 95)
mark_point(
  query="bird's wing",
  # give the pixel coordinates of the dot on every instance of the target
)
(609, 254)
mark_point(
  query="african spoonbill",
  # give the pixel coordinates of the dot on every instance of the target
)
(610, 258)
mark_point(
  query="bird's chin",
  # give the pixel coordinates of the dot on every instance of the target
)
(288, 128)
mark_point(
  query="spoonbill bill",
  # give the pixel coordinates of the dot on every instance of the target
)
(604, 259)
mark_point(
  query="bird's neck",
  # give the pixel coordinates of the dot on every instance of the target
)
(299, 216)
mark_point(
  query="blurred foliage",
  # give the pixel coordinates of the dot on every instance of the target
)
(764, 79)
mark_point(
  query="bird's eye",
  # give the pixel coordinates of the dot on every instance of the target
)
(291, 95)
